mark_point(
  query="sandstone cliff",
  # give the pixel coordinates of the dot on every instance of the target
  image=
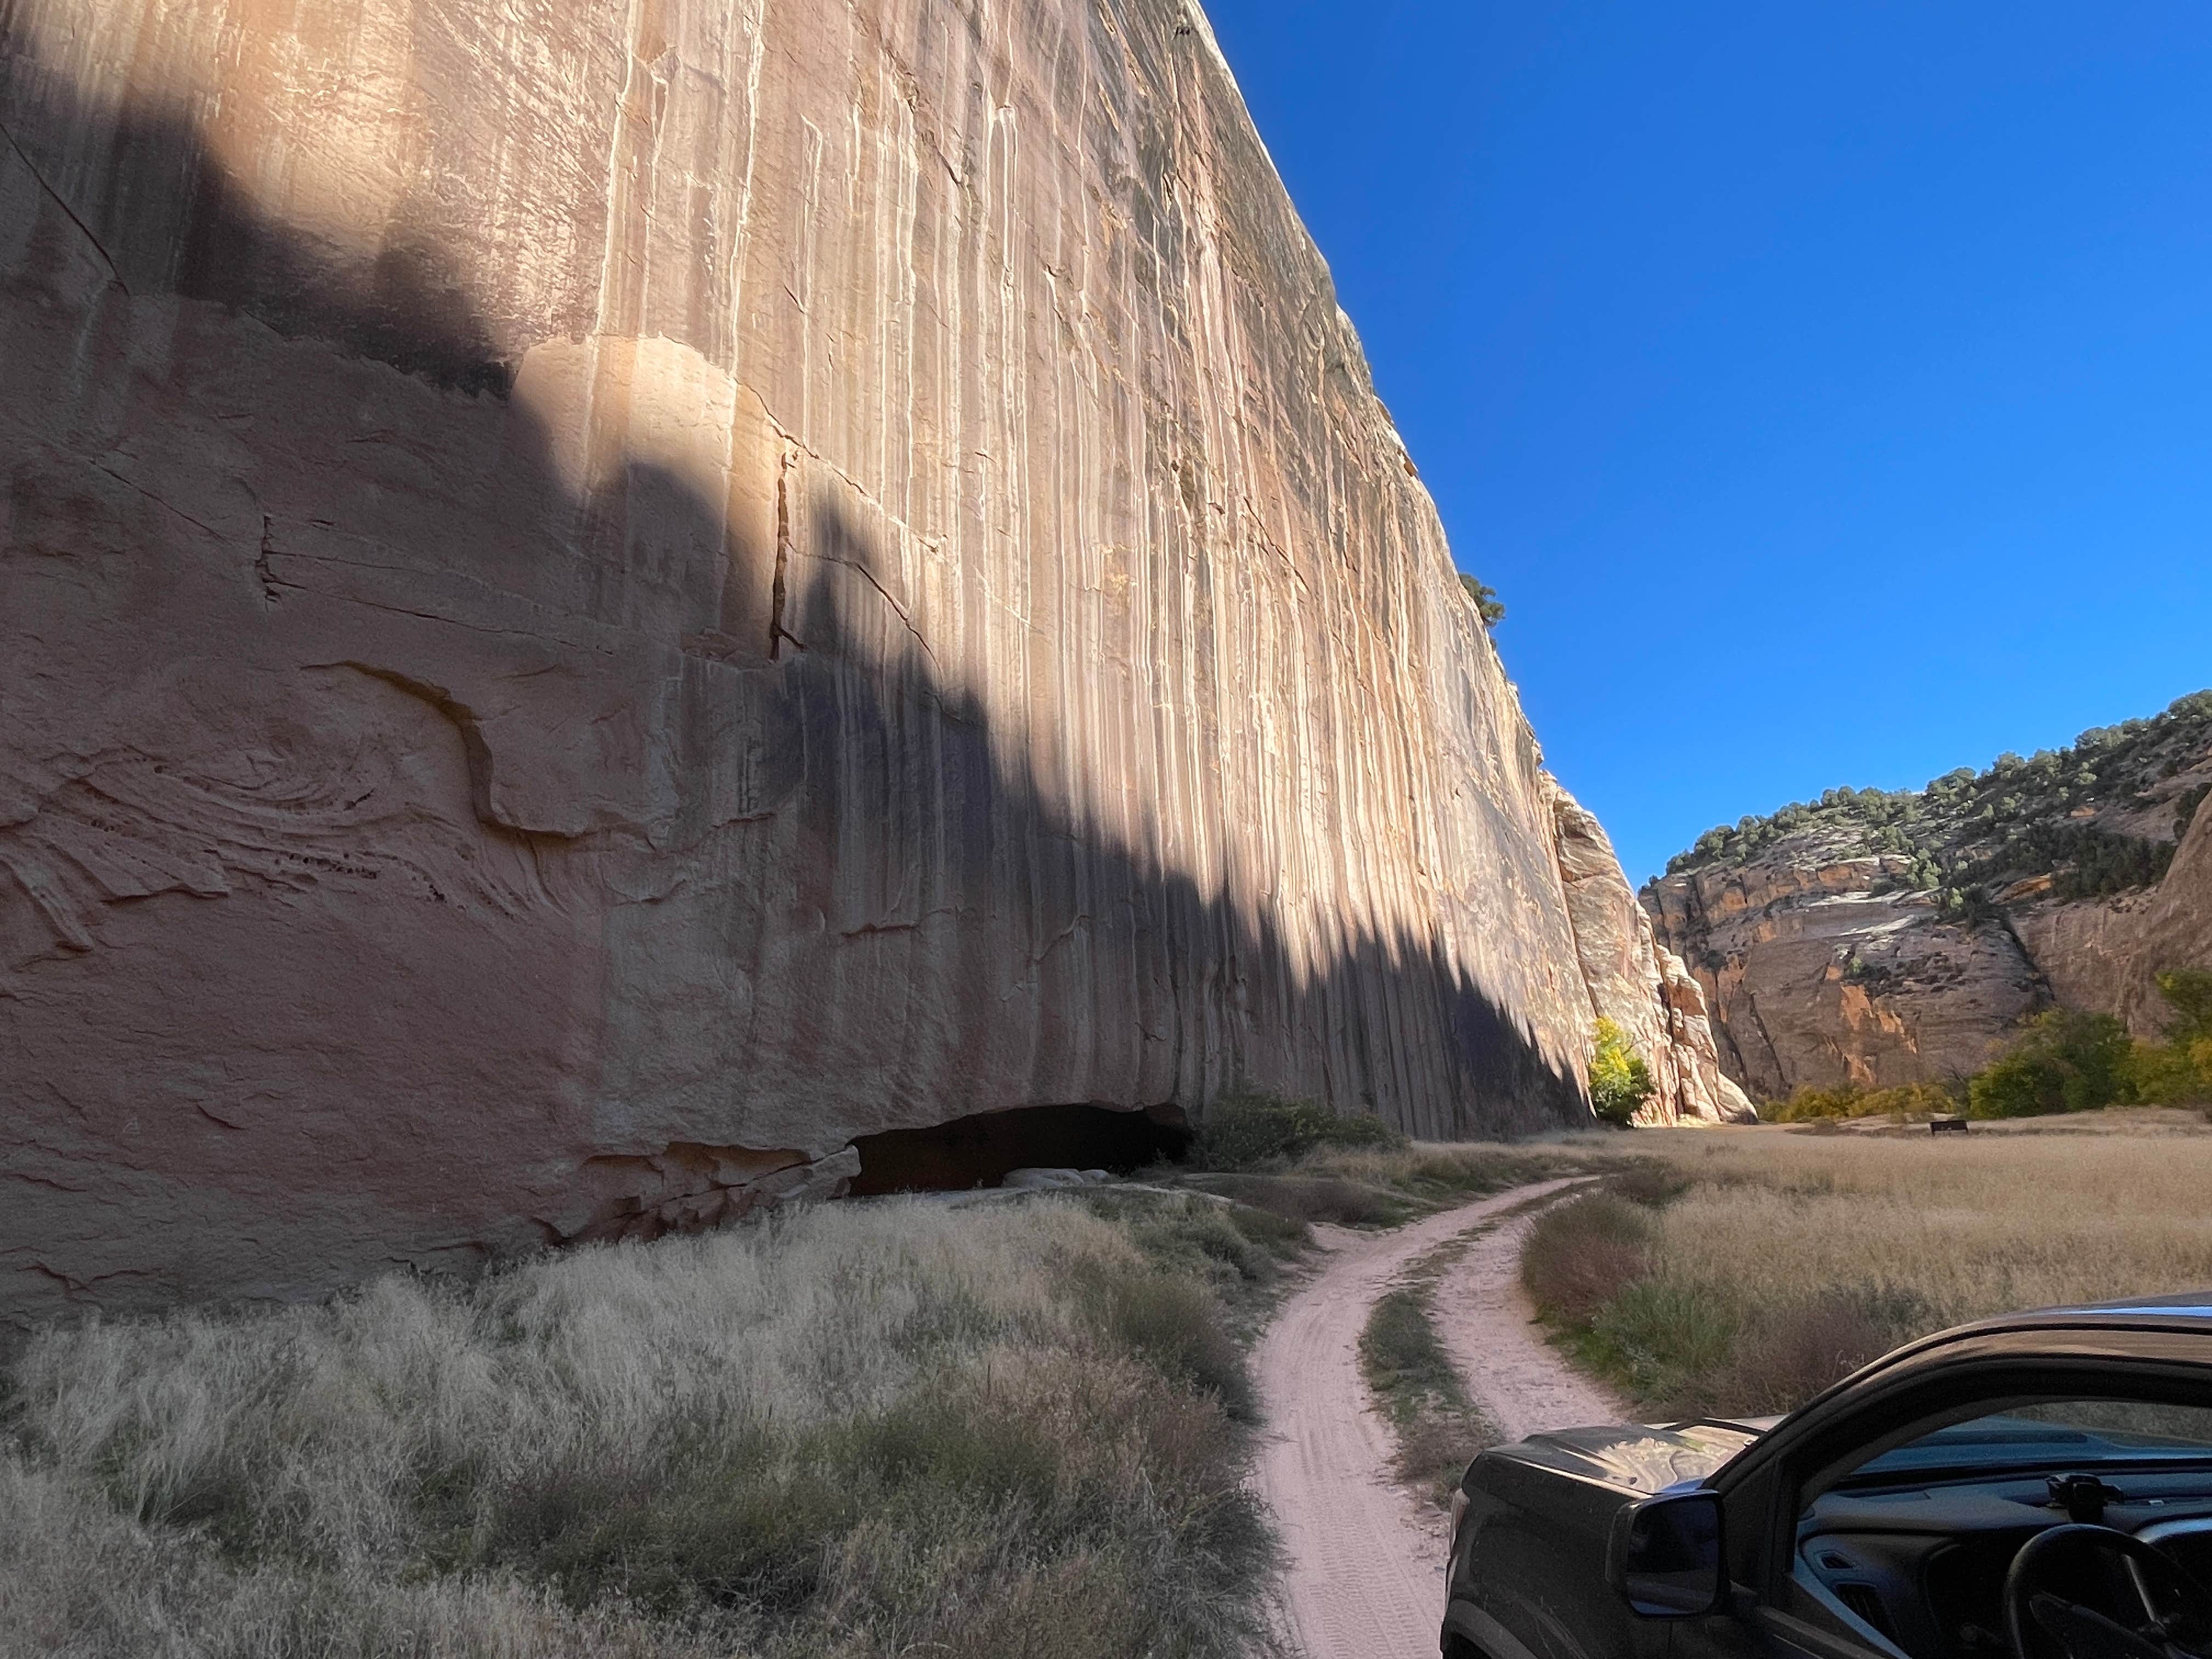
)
(2172, 930)
(1637, 982)
(601, 603)
(1877, 939)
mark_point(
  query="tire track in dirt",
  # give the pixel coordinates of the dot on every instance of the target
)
(1488, 1326)
(1363, 1573)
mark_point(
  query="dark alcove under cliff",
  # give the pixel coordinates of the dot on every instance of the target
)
(979, 1150)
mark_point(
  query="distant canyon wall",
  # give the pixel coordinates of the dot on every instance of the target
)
(599, 601)
(1829, 971)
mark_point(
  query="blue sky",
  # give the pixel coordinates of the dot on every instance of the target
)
(1825, 389)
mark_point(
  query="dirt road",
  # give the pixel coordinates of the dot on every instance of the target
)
(1364, 1575)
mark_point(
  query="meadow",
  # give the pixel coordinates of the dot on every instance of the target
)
(906, 1426)
(1765, 1263)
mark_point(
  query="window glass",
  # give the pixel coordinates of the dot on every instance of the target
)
(2071, 1432)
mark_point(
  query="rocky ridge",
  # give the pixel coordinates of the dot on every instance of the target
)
(598, 605)
(1875, 939)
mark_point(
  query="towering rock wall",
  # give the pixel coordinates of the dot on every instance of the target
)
(599, 601)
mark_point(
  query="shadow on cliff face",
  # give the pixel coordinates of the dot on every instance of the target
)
(163, 216)
(917, 837)
(1386, 1024)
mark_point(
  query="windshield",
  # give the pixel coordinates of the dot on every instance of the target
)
(2070, 1432)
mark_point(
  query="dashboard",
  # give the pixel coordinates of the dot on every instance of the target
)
(1924, 1564)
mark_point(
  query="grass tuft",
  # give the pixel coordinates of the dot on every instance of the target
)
(1579, 1254)
(1436, 1426)
(1306, 1199)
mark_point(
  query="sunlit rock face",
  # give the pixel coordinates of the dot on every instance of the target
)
(1824, 973)
(1637, 982)
(599, 600)
(1825, 966)
(2173, 930)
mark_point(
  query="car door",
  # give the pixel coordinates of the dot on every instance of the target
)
(1790, 1620)
(1777, 1606)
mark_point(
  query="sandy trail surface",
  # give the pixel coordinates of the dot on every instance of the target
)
(1489, 1330)
(1364, 1577)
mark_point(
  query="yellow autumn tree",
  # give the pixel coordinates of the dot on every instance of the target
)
(1619, 1081)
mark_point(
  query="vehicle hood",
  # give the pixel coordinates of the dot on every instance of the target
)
(1641, 1457)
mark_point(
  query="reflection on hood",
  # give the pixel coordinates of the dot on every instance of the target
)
(1649, 1459)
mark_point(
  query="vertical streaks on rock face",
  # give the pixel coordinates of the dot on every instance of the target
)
(602, 599)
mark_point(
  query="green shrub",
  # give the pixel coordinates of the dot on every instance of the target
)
(2171, 1073)
(1485, 600)
(2178, 1072)
(1967, 907)
(1247, 1129)
(2067, 1061)
(1619, 1081)
(2188, 991)
(2184, 809)
(2105, 863)
(1809, 1104)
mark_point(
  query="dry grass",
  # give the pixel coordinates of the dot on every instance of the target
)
(1792, 1258)
(900, 1428)
(1972, 1224)
(1422, 1177)
(1579, 1253)
(1299, 1161)
(1304, 1199)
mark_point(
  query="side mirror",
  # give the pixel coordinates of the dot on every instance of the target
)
(1666, 1561)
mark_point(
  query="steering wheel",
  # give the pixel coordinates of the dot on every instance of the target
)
(2183, 1630)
